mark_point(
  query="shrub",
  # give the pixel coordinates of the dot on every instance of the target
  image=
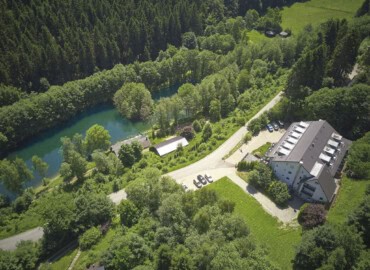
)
(23, 202)
(240, 121)
(247, 137)
(202, 147)
(279, 192)
(197, 126)
(89, 238)
(207, 132)
(312, 215)
(188, 133)
(254, 126)
(247, 166)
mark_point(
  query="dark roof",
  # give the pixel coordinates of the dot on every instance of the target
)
(327, 183)
(142, 139)
(178, 138)
(310, 145)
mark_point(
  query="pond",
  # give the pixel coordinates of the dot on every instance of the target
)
(47, 145)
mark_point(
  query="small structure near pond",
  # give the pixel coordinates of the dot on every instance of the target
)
(170, 145)
(270, 33)
(142, 139)
(284, 34)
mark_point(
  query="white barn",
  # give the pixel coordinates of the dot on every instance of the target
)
(170, 145)
(307, 158)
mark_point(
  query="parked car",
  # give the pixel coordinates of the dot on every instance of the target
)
(202, 179)
(281, 124)
(269, 127)
(197, 183)
(185, 187)
(275, 126)
(208, 178)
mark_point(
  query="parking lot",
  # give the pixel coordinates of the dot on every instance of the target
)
(257, 141)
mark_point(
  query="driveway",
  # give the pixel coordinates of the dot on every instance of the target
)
(257, 141)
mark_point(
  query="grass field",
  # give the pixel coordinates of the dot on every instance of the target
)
(351, 193)
(279, 240)
(65, 261)
(261, 151)
(317, 11)
(256, 37)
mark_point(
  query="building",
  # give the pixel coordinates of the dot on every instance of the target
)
(142, 139)
(170, 145)
(307, 159)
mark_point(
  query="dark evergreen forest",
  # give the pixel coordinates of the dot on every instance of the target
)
(45, 42)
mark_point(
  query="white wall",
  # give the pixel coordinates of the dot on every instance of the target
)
(285, 171)
(318, 195)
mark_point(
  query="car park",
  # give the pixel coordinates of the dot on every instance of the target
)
(197, 183)
(269, 127)
(275, 126)
(281, 124)
(202, 179)
(208, 178)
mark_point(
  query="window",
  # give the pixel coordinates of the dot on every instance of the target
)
(287, 178)
(276, 165)
(290, 172)
(321, 198)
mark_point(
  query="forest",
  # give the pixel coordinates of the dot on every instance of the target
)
(224, 80)
(47, 43)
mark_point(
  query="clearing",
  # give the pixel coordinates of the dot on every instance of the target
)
(315, 12)
(351, 194)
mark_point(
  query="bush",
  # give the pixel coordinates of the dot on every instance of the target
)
(312, 215)
(23, 202)
(207, 132)
(4, 201)
(247, 137)
(247, 166)
(197, 126)
(254, 126)
(279, 192)
(89, 238)
(188, 133)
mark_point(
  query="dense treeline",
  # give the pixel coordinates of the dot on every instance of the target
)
(319, 85)
(44, 42)
(29, 116)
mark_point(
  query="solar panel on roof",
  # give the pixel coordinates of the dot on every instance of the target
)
(303, 124)
(324, 157)
(300, 130)
(283, 151)
(287, 145)
(292, 140)
(329, 150)
(333, 143)
(295, 135)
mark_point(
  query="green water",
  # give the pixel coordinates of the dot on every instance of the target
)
(47, 145)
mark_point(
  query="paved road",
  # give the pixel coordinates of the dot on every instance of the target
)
(11, 242)
(213, 164)
(37, 233)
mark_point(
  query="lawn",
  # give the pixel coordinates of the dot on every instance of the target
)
(279, 240)
(261, 151)
(256, 37)
(65, 261)
(317, 11)
(351, 194)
